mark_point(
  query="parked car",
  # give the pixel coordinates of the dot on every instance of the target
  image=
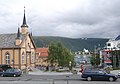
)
(12, 72)
(62, 69)
(1, 72)
(4, 67)
(98, 75)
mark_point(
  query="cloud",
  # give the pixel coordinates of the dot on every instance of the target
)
(67, 18)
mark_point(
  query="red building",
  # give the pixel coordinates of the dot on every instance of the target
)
(107, 57)
(41, 56)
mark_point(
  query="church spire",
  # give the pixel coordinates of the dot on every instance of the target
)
(18, 33)
(24, 20)
(24, 26)
(18, 39)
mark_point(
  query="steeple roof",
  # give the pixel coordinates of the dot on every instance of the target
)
(24, 20)
(18, 33)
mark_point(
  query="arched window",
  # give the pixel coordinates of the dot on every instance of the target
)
(23, 57)
(32, 57)
(7, 55)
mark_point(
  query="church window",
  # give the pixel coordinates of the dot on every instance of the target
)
(23, 57)
(32, 58)
(7, 58)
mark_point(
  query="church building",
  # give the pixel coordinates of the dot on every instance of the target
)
(18, 49)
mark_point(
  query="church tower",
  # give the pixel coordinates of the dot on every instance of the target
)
(24, 26)
(18, 39)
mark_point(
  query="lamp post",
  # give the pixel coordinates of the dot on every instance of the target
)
(13, 62)
(70, 66)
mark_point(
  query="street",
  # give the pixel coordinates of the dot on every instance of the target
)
(41, 77)
(51, 79)
(58, 82)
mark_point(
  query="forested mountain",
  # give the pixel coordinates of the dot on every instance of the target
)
(74, 44)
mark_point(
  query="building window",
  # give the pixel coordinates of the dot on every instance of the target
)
(7, 55)
(23, 57)
(109, 44)
(32, 58)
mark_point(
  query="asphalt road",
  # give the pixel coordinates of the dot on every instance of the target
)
(58, 82)
(49, 79)
(41, 77)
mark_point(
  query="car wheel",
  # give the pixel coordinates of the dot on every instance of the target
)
(89, 78)
(2, 75)
(111, 79)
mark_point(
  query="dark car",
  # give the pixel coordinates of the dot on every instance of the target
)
(98, 75)
(12, 72)
(1, 72)
(4, 67)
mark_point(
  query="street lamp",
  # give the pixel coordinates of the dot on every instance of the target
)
(13, 62)
(70, 65)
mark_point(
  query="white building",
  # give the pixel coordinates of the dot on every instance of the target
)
(113, 44)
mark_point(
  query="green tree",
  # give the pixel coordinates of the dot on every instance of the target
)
(92, 60)
(59, 54)
(95, 59)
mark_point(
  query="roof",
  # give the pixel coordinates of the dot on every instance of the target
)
(8, 40)
(43, 52)
(24, 20)
(118, 38)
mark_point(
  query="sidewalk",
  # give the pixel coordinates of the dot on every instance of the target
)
(50, 73)
(115, 72)
(38, 72)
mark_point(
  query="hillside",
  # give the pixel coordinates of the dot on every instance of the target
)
(72, 44)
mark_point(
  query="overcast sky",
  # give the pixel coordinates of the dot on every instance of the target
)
(66, 18)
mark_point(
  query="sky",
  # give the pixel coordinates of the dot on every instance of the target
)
(65, 18)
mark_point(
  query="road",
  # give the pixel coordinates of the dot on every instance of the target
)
(49, 79)
(58, 82)
(41, 77)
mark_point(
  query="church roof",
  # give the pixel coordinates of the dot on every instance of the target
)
(8, 40)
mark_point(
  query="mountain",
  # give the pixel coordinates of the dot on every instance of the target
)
(74, 44)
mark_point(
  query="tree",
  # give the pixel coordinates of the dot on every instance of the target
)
(92, 60)
(95, 59)
(59, 54)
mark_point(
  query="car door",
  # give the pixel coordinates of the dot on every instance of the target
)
(98, 75)
(95, 76)
(101, 75)
(11, 72)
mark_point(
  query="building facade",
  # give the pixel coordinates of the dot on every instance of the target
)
(111, 54)
(18, 49)
(41, 56)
